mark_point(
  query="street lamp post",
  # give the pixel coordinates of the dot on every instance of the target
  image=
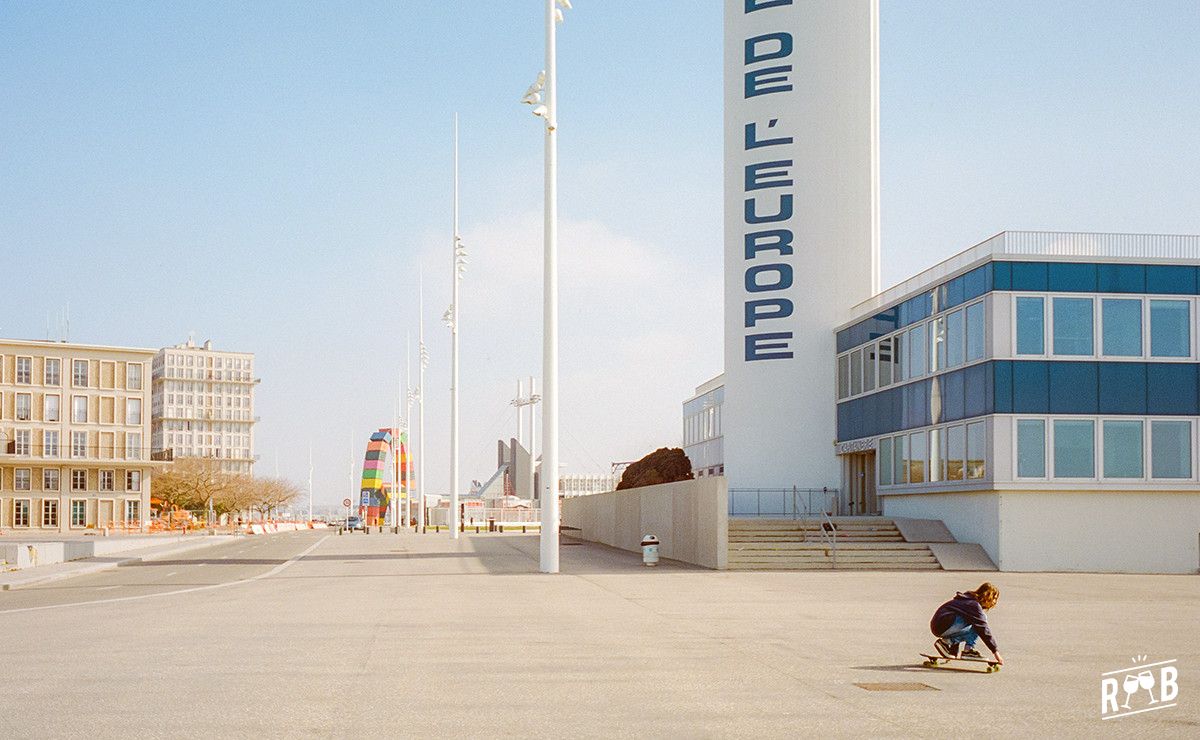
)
(452, 319)
(521, 401)
(422, 363)
(547, 82)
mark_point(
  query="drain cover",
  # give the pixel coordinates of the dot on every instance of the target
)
(897, 686)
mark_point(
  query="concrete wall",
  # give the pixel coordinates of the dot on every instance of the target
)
(1083, 531)
(689, 517)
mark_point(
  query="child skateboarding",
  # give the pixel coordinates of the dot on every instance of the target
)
(962, 621)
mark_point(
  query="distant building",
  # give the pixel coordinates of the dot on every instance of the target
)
(203, 405)
(585, 484)
(702, 439)
(74, 450)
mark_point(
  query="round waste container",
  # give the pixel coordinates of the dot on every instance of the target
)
(650, 545)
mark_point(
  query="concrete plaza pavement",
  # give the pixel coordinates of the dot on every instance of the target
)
(312, 634)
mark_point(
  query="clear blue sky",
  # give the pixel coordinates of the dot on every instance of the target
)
(274, 175)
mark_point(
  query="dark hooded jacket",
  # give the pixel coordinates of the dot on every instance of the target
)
(969, 609)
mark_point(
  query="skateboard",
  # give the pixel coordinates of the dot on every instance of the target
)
(939, 661)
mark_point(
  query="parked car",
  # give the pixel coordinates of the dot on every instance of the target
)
(354, 522)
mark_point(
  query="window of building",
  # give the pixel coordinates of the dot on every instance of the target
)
(133, 411)
(843, 371)
(869, 357)
(918, 450)
(855, 373)
(976, 450)
(975, 332)
(78, 480)
(133, 480)
(22, 479)
(133, 446)
(885, 461)
(1121, 327)
(955, 338)
(49, 512)
(1074, 332)
(1031, 448)
(78, 444)
(107, 480)
(79, 373)
(51, 410)
(1170, 329)
(133, 376)
(23, 442)
(79, 409)
(1171, 449)
(50, 443)
(900, 460)
(51, 480)
(1123, 444)
(24, 410)
(899, 363)
(52, 373)
(78, 513)
(1074, 448)
(25, 370)
(21, 512)
(1031, 326)
(918, 351)
(132, 509)
(937, 344)
(937, 455)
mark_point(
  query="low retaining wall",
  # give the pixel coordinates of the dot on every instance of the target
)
(690, 518)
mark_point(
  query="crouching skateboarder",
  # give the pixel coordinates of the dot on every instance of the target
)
(962, 621)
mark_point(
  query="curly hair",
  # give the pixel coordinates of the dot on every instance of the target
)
(987, 595)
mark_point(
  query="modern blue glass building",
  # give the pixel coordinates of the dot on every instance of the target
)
(1039, 393)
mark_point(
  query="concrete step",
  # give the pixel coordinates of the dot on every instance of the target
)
(822, 546)
(810, 536)
(829, 566)
(841, 554)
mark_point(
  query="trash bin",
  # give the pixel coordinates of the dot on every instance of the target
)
(650, 545)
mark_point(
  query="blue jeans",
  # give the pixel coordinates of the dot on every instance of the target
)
(960, 631)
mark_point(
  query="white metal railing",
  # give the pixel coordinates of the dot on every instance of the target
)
(782, 503)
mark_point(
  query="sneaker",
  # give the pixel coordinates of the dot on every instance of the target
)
(970, 652)
(945, 648)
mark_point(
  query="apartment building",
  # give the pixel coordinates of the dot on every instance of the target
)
(74, 436)
(203, 405)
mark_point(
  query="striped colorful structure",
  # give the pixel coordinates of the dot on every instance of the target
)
(376, 494)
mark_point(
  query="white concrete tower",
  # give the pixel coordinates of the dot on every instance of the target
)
(801, 225)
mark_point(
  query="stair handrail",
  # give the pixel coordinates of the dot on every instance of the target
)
(829, 534)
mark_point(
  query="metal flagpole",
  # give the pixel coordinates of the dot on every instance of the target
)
(422, 361)
(455, 322)
(549, 538)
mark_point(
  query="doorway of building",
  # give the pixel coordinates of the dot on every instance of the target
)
(860, 497)
(104, 514)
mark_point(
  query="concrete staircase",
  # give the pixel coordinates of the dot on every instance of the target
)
(863, 543)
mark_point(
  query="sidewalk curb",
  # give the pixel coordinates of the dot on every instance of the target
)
(90, 568)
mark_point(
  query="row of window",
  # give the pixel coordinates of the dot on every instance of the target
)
(52, 408)
(948, 341)
(1039, 277)
(1049, 387)
(188, 360)
(49, 510)
(51, 480)
(1110, 448)
(202, 400)
(951, 453)
(23, 445)
(1077, 327)
(80, 372)
(702, 426)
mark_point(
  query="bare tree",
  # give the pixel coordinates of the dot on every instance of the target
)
(190, 483)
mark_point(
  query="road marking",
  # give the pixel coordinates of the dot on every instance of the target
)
(274, 571)
(107, 588)
(170, 574)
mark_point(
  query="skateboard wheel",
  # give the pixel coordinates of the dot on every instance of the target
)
(929, 664)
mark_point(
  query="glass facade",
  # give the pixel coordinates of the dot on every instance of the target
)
(1100, 370)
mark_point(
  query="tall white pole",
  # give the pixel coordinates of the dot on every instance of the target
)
(520, 402)
(310, 486)
(455, 316)
(532, 442)
(549, 539)
(421, 404)
(407, 459)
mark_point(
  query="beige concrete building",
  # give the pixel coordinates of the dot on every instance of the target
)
(74, 436)
(203, 405)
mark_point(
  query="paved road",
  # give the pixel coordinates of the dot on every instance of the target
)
(308, 634)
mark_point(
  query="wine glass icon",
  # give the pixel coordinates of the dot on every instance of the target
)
(1146, 680)
(1130, 686)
